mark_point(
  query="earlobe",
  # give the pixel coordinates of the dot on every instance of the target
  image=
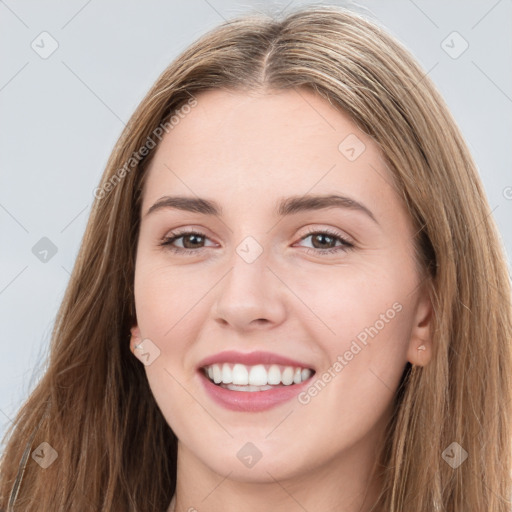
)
(420, 344)
(135, 338)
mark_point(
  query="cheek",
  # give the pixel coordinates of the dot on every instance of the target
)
(362, 320)
(166, 297)
(365, 351)
(167, 303)
(347, 300)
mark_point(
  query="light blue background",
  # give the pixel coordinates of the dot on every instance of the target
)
(61, 116)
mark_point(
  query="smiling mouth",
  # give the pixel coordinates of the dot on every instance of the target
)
(260, 377)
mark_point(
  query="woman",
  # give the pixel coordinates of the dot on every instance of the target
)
(271, 370)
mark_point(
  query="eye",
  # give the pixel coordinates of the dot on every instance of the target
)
(327, 238)
(192, 238)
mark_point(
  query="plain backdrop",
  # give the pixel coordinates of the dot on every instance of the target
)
(73, 72)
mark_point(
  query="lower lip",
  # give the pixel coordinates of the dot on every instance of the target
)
(251, 401)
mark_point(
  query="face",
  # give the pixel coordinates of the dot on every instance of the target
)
(321, 295)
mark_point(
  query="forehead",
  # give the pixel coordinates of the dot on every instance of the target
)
(259, 145)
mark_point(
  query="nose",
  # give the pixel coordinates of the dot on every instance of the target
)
(250, 295)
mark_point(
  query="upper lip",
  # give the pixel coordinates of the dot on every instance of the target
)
(251, 359)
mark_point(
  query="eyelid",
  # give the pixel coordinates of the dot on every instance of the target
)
(310, 230)
(335, 232)
(187, 230)
(346, 241)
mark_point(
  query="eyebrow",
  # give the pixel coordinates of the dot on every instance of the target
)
(286, 206)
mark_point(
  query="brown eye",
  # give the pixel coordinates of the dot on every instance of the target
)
(322, 239)
(326, 242)
(191, 242)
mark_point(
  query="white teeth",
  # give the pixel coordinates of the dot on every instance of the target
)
(249, 388)
(274, 375)
(255, 378)
(287, 376)
(227, 374)
(305, 374)
(217, 375)
(258, 375)
(240, 374)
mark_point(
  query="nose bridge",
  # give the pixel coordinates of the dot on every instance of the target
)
(249, 291)
(248, 277)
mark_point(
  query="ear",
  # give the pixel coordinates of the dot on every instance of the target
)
(420, 345)
(135, 337)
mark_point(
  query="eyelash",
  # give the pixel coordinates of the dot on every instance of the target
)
(346, 245)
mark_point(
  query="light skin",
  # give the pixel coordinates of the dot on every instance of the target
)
(246, 152)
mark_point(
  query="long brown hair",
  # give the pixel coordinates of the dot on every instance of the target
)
(93, 405)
